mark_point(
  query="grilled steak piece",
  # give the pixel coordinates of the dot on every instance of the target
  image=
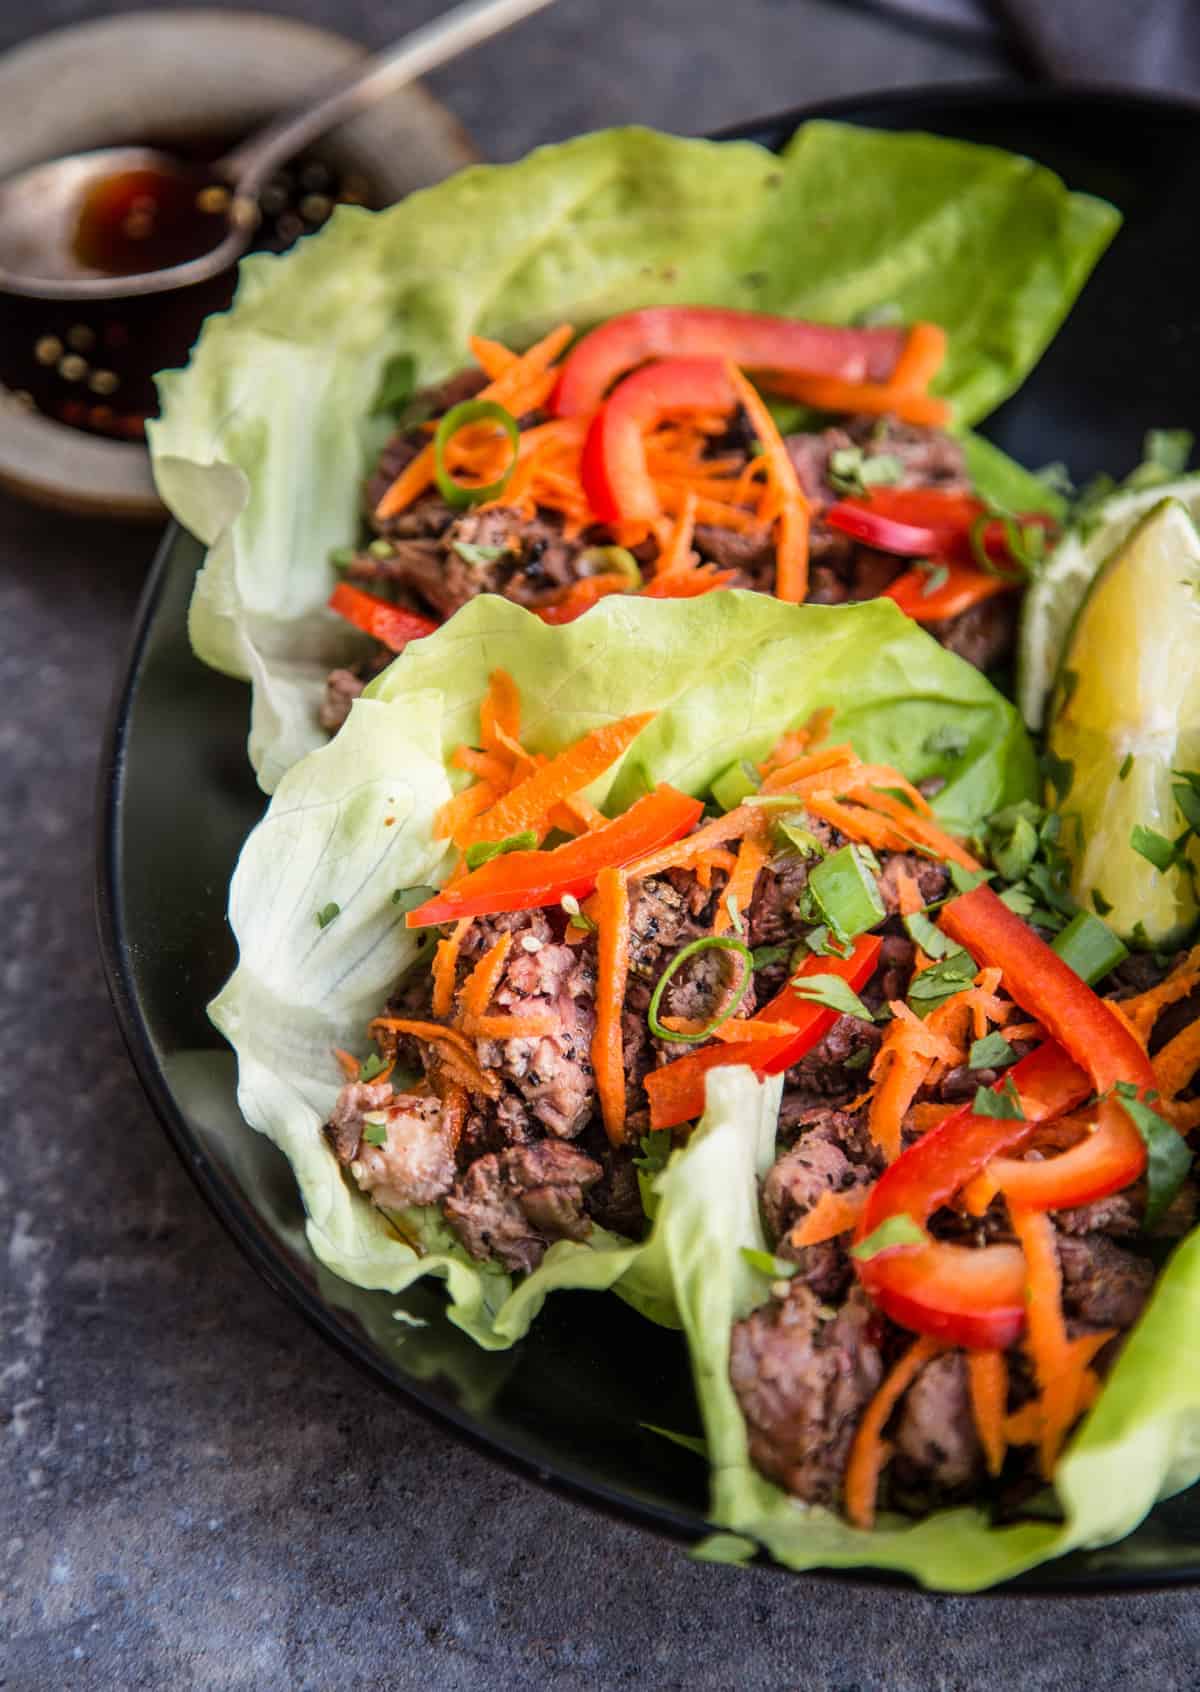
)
(510, 1205)
(938, 1453)
(415, 1165)
(1103, 1285)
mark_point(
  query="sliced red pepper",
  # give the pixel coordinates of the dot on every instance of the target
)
(1088, 1029)
(965, 585)
(388, 623)
(613, 466)
(964, 1295)
(752, 340)
(522, 881)
(676, 1091)
(933, 523)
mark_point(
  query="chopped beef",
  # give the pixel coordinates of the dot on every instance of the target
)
(772, 916)
(1120, 1214)
(415, 1165)
(984, 634)
(342, 688)
(938, 1453)
(510, 1205)
(803, 1379)
(1103, 1285)
(662, 918)
(615, 1202)
(345, 1125)
(928, 458)
(548, 1077)
(816, 1164)
(932, 878)
(751, 554)
(894, 971)
(821, 1076)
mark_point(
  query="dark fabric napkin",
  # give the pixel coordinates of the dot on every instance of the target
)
(1147, 44)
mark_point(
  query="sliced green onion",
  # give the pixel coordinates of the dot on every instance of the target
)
(459, 417)
(485, 850)
(734, 784)
(611, 561)
(799, 838)
(706, 942)
(898, 1230)
(1089, 946)
(847, 893)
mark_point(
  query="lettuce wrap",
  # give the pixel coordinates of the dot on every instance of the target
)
(265, 437)
(726, 673)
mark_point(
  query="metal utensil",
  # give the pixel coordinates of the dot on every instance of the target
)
(39, 209)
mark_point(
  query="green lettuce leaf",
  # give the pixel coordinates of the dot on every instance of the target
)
(1140, 1443)
(728, 673)
(265, 437)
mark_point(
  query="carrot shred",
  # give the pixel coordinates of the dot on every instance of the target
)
(526, 804)
(926, 1115)
(347, 1063)
(831, 762)
(612, 970)
(833, 1214)
(521, 387)
(510, 1027)
(979, 1192)
(1144, 1010)
(921, 831)
(697, 844)
(492, 357)
(738, 1031)
(477, 989)
(1177, 1062)
(902, 1065)
(791, 540)
(485, 765)
(987, 1379)
(739, 890)
(921, 357)
(445, 965)
(678, 554)
(869, 1454)
(456, 813)
(876, 399)
(1046, 1333)
(907, 891)
(500, 712)
(454, 1113)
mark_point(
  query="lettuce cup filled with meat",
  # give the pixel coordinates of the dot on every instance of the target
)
(718, 954)
(629, 365)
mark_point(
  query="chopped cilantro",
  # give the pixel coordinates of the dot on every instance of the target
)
(990, 1052)
(832, 992)
(576, 918)
(1126, 766)
(765, 956)
(965, 880)
(1002, 1103)
(825, 945)
(327, 913)
(1168, 1155)
(799, 838)
(1154, 847)
(1059, 772)
(858, 1059)
(941, 981)
(656, 1152)
(371, 1067)
(898, 1230)
(375, 1131)
(1100, 904)
(1187, 797)
(936, 575)
(478, 557)
(485, 850)
(928, 936)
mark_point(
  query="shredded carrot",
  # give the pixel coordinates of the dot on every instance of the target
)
(901, 1067)
(454, 1112)
(612, 970)
(456, 813)
(833, 762)
(979, 1192)
(987, 1378)
(921, 831)
(1081, 1384)
(687, 584)
(510, 1027)
(1046, 1332)
(1144, 1010)
(1027, 1030)
(477, 989)
(521, 387)
(876, 399)
(926, 1115)
(921, 357)
(797, 743)
(492, 357)
(699, 844)
(833, 1214)
(485, 765)
(445, 965)
(577, 815)
(347, 1063)
(857, 823)
(525, 805)
(869, 1454)
(678, 554)
(1178, 1061)
(791, 539)
(437, 1032)
(500, 711)
(908, 892)
(739, 890)
(888, 781)
(737, 1031)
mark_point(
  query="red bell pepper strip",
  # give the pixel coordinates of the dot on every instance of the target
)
(522, 881)
(964, 1295)
(927, 523)
(676, 1091)
(751, 340)
(388, 623)
(1087, 1029)
(613, 466)
(963, 587)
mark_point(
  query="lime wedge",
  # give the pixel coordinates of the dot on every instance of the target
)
(1126, 716)
(1053, 598)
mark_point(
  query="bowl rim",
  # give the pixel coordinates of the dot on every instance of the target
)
(1056, 1579)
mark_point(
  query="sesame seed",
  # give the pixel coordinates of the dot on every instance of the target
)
(315, 208)
(72, 368)
(48, 350)
(531, 943)
(104, 381)
(81, 337)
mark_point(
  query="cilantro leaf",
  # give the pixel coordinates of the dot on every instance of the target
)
(941, 981)
(656, 1152)
(1154, 847)
(371, 1067)
(990, 1052)
(1168, 1155)
(374, 1131)
(898, 1230)
(485, 850)
(327, 913)
(833, 992)
(478, 557)
(1003, 1103)
(764, 956)
(928, 936)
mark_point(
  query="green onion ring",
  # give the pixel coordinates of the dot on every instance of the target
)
(721, 942)
(459, 417)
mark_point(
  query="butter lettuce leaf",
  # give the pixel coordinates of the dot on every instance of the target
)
(1140, 1442)
(266, 435)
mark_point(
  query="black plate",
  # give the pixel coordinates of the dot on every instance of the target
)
(177, 799)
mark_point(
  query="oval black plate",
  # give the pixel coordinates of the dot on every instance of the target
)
(177, 798)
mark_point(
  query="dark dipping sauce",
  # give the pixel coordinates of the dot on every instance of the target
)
(91, 363)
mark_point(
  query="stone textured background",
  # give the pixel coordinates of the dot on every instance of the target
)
(196, 1493)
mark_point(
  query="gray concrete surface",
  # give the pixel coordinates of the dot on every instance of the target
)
(195, 1493)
